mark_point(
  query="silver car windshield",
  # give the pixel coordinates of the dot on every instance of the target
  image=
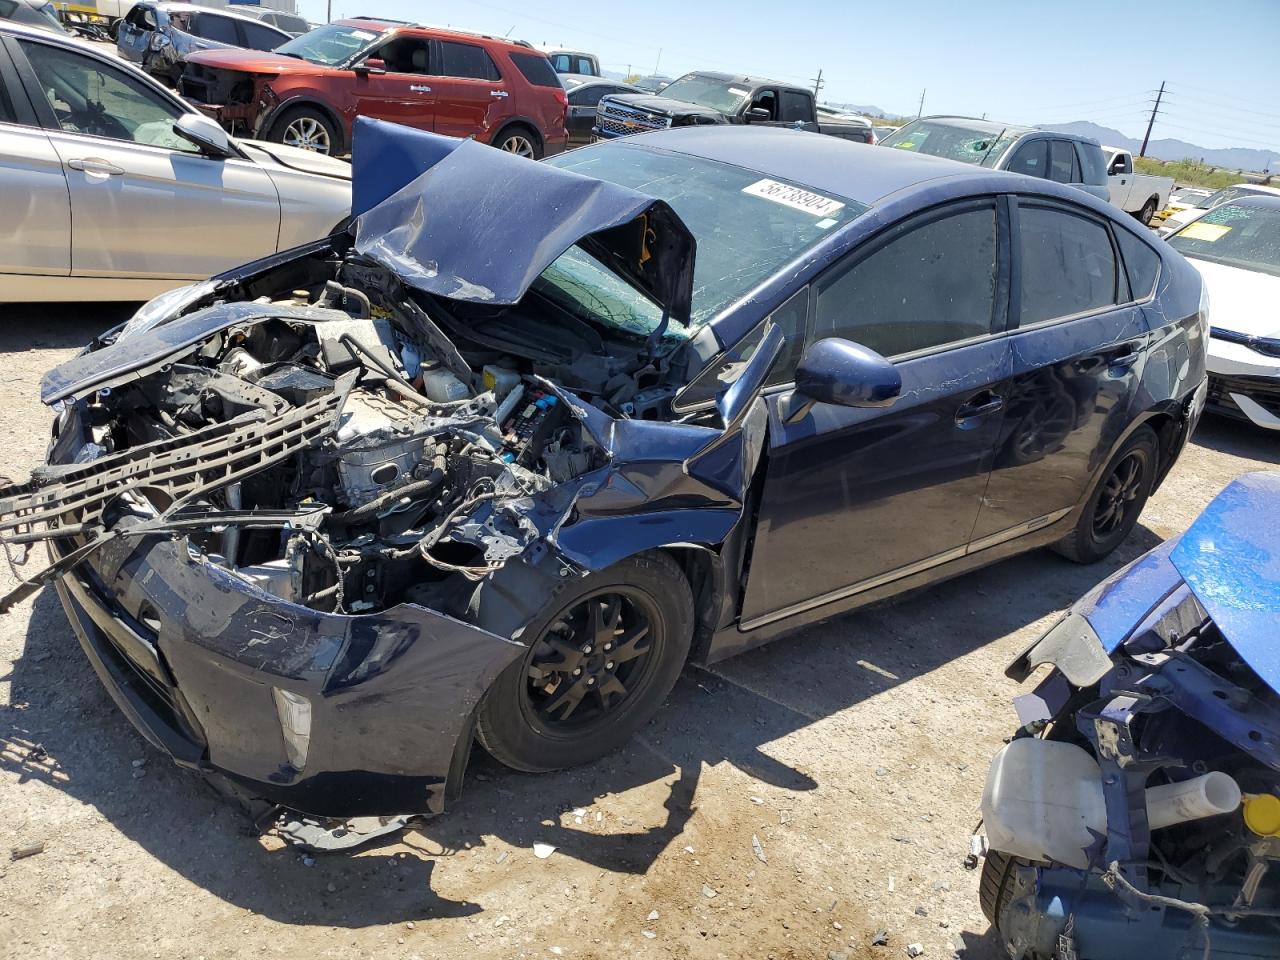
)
(973, 142)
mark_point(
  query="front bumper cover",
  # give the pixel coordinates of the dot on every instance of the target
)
(191, 653)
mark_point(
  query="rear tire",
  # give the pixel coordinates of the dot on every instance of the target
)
(307, 128)
(601, 659)
(1147, 212)
(1116, 502)
(520, 140)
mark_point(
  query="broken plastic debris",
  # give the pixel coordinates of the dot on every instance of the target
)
(758, 847)
(543, 850)
(708, 892)
(27, 850)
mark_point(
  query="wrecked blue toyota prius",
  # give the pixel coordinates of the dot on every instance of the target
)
(1137, 811)
(496, 461)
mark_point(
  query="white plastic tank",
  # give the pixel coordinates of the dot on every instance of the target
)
(1043, 801)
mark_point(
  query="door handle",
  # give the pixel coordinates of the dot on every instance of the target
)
(1122, 360)
(419, 88)
(975, 408)
(497, 93)
(96, 165)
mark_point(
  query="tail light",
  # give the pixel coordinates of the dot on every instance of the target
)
(562, 98)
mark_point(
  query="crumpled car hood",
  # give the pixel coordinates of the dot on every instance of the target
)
(1230, 558)
(461, 220)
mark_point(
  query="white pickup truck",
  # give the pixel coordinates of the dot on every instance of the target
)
(1137, 193)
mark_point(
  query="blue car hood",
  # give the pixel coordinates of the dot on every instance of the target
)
(1230, 558)
(461, 220)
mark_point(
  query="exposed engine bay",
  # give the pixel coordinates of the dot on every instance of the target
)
(337, 439)
(1138, 809)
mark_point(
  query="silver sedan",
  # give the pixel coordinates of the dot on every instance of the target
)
(112, 188)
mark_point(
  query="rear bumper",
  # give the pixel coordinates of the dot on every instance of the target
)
(192, 655)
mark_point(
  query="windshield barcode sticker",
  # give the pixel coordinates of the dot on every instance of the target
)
(794, 197)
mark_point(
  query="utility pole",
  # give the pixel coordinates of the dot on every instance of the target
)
(328, 13)
(920, 111)
(656, 62)
(1152, 122)
(817, 83)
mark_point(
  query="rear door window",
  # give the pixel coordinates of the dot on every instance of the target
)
(1066, 262)
(260, 37)
(589, 96)
(466, 60)
(796, 106)
(585, 66)
(210, 26)
(1063, 166)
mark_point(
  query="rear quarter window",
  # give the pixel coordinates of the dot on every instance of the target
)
(1093, 167)
(536, 69)
(1140, 262)
(259, 37)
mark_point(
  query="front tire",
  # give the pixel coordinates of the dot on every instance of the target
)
(1116, 502)
(306, 128)
(599, 664)
(1147, 212)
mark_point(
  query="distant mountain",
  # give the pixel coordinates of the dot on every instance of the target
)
(1233, 158)
(865, 110)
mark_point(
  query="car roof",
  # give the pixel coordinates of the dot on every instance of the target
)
(590, 79)
(978, 123)
(195, 8)
(1273, 191)
(371, 23)
(740, 78)
(830, 164)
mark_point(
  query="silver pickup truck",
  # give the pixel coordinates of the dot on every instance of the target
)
(1137, 193)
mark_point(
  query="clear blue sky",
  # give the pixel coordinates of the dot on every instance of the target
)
(1024, 62)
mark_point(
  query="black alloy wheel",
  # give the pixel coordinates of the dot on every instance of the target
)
(588, 662)
(1116, 501)
(1120, 491)
(601, 658)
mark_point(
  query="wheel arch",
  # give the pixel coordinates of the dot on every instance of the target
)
(519, 121)
(304, 100)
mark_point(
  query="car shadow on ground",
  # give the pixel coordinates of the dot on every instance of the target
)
(61, 728)
(1238, 439)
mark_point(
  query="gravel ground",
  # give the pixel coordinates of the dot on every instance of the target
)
(854, 752)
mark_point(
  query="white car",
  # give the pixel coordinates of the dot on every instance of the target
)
(112, 188)
(1236, 248)
(1177, 221)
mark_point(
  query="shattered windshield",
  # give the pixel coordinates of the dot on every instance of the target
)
(721, 95)
(746, 226)
(1234, 235)
(328, 45)
(967, 141)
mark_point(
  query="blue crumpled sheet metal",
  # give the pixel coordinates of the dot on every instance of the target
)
(1230, 558)
(461, 220)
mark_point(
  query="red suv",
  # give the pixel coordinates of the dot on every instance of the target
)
(308, 92)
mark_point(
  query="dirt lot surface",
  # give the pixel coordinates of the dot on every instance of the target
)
(854, 752)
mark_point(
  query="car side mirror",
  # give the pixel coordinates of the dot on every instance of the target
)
(206, 134)
(372, 66)
(758, 115)
(846, 374)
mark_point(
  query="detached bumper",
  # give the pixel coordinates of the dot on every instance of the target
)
(195, 657)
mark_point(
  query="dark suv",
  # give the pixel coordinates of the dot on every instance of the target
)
(308, 92)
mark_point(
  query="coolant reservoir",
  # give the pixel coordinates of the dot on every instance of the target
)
(441, 385)
(499, 379)
(1041, 800)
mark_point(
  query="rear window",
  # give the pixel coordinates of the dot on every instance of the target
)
(536, 69)
(969, 141)
(466, 60)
